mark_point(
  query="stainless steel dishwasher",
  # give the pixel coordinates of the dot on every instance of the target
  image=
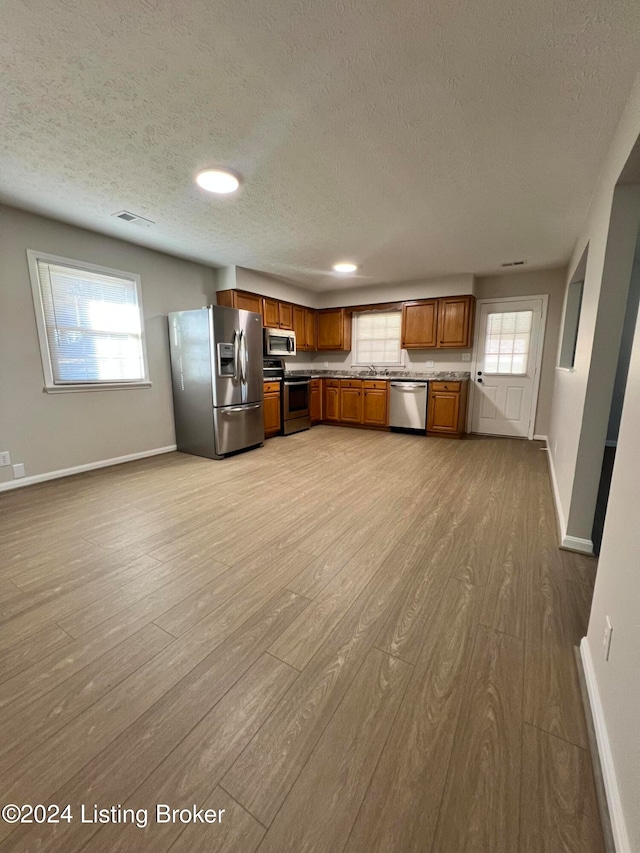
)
(408, 406)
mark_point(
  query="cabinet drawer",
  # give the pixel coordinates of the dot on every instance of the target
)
(271, 387)
(314, 384)
(351, 383)
(378, 384)
(445, 386)
(332, 383)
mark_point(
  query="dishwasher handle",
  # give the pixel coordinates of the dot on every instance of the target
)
(411, 386)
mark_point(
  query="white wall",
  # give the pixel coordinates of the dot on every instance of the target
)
(533, 283)
(628, 330)
(266, 285)
(617, 595)
(580, 410)
(49, 432)
(582, 396)
(451, 285)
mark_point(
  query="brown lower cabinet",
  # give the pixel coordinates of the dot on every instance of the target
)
(315, 401)
(331, 401)
(271, 409)
(447, 408)
(356, 402)
(375, 403)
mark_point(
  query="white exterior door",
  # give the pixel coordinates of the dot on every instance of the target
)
(507, 366)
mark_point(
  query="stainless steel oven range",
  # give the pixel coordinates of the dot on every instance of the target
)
(295, 404)
(294, 396)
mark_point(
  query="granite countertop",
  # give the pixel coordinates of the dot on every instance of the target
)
(407, 375)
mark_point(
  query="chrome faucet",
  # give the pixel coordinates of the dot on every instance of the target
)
(372, 369)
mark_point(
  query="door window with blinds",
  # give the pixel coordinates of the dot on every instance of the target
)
(508, 342)
(90, 325)
(376, 338)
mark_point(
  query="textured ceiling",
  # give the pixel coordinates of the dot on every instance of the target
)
(417, 138)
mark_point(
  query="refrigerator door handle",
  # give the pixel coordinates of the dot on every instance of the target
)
(228, 410)
(236, 358)
(243, 357)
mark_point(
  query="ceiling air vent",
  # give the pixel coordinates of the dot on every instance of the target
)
(514, 264)
(127, 216)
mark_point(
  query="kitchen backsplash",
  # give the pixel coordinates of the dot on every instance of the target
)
(449, 360)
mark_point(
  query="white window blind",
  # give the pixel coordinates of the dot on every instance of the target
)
(377, 338)
(91, 323)
(508, 342)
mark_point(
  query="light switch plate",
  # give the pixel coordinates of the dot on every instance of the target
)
(18, 471)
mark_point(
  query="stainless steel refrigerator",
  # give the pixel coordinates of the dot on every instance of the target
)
(216, 370)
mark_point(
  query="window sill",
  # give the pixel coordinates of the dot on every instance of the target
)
(103, 386)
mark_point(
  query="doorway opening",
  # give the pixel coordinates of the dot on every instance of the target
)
(619, 389)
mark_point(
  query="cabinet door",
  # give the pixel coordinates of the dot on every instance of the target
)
(443, 411)
(351, 405)
(311, 328)
(299, 327)
(332, 404)
(331, 330)
(271, 410)
(420, 324)
(315, 405)
(285, 312)
(455, 321)
(270, 313)
(374, 407)
(248, 302)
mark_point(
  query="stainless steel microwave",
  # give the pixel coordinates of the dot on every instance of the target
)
(279, 342)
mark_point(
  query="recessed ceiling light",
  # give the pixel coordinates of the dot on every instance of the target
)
(219, 181)
(345, 266)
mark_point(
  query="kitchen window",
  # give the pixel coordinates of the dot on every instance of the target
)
(376, 338)
(90, 325)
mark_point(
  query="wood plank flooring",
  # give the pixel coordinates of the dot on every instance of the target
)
(347, 640)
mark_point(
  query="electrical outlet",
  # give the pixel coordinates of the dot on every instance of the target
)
(18, 471)
(5, 459)
(606, 638)
(429, 364)
(326, 364)
(466, 356)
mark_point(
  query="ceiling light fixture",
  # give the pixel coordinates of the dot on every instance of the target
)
(345, 266)
(220, 181)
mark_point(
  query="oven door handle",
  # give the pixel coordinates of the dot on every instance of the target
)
(302, 382)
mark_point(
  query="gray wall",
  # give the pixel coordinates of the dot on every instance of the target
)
(534, 283)
(49, 432)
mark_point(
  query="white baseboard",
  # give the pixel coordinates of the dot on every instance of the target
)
(541, 438)
(79, 469)
(573, 543)
(562, 527)
(618, 825)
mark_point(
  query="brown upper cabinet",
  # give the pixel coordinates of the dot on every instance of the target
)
(334, 329)
(285, 313)
(270, 313)
(420, 324)
(455, 321)
(239, 299)
(311, 329)
(304, 325)
(433, 323)
(299, 327)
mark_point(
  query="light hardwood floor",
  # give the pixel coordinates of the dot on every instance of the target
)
(349, 640)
